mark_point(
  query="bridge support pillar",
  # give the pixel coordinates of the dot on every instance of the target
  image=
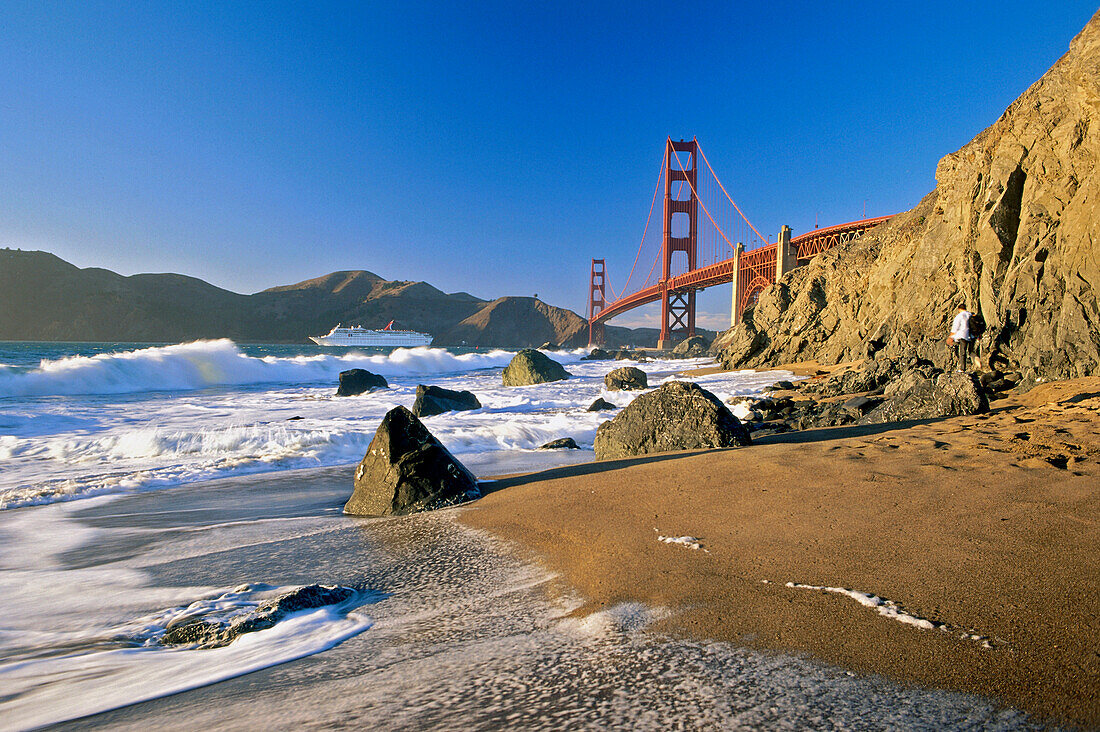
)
(678, 308)
(597, 301)
(785, 259)
(735, 312)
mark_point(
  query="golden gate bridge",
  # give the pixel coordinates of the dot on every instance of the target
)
(706, 241)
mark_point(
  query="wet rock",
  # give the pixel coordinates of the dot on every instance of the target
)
(597, 354)
(406, 469)
(915, 396)
(780, 386)
(531, 367)
(626, 378)
(563, 443)
(600, 405)
(432, 400)
(207, 633)
(678, 416)
(357, 381)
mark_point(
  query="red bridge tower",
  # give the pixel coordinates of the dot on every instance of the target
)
(678, 308)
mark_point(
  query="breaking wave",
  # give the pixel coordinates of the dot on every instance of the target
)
(214, 363)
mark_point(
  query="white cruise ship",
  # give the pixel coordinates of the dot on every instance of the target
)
(357, 335)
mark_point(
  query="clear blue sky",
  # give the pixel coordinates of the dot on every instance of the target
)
(488, 147)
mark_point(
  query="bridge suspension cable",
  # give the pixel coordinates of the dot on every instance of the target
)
(728, 197)
(649, 217)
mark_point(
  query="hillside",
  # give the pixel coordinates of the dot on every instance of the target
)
(42, 297)
(1012, 229)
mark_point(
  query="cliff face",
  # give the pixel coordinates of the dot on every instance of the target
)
(1012, 230)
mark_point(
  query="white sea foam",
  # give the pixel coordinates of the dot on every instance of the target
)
(891, 609)
(98, 425)
(204, 364)
(51, 690)
(685, 541)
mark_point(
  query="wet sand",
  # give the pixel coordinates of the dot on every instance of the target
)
(988, 525)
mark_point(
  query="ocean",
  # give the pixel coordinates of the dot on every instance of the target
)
(143, 483)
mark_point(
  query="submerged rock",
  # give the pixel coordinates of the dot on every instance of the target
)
(531, 367)
(435, 400)
(626, 378)
(678, 416)
(206, 633)
(600, 405)
(406, 469)
(563, 443)
(357, 381)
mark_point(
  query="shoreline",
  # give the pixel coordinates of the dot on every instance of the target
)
(985, 524)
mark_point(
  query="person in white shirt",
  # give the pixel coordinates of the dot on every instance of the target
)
(960, 337)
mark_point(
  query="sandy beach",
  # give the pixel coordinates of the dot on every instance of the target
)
(983, 528)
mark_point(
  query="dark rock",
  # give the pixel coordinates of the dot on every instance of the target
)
(626, 378)
(295, 418)
(434, 400)
(692, 347)
(531, 367)
(600, 405)
(406, 469)
(357, 381)
(780, 386)
(678, 416)
(215, 633)
(858, 405)
(915, 396)
(597, 354)
(868, 376)
(564, 443)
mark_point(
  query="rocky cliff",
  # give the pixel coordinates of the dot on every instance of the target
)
(1012, 230)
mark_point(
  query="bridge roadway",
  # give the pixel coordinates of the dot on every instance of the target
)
(804, 247)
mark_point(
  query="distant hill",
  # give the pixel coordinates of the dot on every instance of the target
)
(44, 298)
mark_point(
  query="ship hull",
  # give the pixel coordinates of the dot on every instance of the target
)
(375, 339)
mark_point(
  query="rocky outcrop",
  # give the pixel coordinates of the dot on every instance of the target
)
(691, 347)
(531, 367)
(406, 469)
(562, 443)
(431, 400)
(1011, 231)
(358, 381)
(626, 378)
(915, 396)
(600, 405)
(597, 354)
(678, 416)
(205, 632)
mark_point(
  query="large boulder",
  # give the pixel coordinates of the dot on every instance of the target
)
(531, 367)
(916, 396)
(435, 400)
(691, 347)
(357, 381)
(626, 378)
(406, 469)
(678, 416)
(597, 354)
(213, 632)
